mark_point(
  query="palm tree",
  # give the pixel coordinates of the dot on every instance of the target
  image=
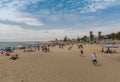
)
(91, 36)
(78, 39)
(99, 35)
(85, 38)
(65, 39)
(118, 35)
(113, 36)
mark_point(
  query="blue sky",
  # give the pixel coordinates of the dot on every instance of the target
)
(24, 20)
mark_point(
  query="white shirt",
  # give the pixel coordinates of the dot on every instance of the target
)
(93, 57)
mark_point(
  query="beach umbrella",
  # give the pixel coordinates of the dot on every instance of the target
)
(19, 46)
(111, 46)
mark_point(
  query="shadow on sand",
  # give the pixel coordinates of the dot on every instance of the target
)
(82, 55)
(98, 65)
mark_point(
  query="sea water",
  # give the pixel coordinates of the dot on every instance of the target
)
(3, 45)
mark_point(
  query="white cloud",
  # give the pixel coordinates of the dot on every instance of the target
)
(107, 29)
(12, 32)
(54, 18)
(16, 33)
(94, 5)
(10, 12)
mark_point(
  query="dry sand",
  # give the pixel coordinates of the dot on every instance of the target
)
(61, 66)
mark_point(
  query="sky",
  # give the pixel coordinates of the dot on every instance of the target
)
(44, 20)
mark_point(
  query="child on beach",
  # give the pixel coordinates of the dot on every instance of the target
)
(94, 59)
(81, 51)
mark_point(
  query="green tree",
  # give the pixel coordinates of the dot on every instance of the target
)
(118, 35)
(84, 38)
(78, 39)
(91, 36)
(65, 39)
(99, 35)
(112, 36)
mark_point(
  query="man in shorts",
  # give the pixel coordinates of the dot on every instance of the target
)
(94, 58)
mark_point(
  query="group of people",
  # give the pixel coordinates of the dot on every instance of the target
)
(94, 57)
(43, 48)
(14, 57)
(46, 49)
(7, 53)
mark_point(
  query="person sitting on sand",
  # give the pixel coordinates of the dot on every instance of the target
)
(94, 58)
(7, 54)
(2, 52)
(14, 57)
(70, 47)
(45, 49)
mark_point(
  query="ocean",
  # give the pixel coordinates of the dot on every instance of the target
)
(3, 45)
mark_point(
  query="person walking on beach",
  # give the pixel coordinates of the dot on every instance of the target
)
(38, 47)
(94, 59)
(81, 51)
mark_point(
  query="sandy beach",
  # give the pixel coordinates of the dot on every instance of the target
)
(61, 66)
